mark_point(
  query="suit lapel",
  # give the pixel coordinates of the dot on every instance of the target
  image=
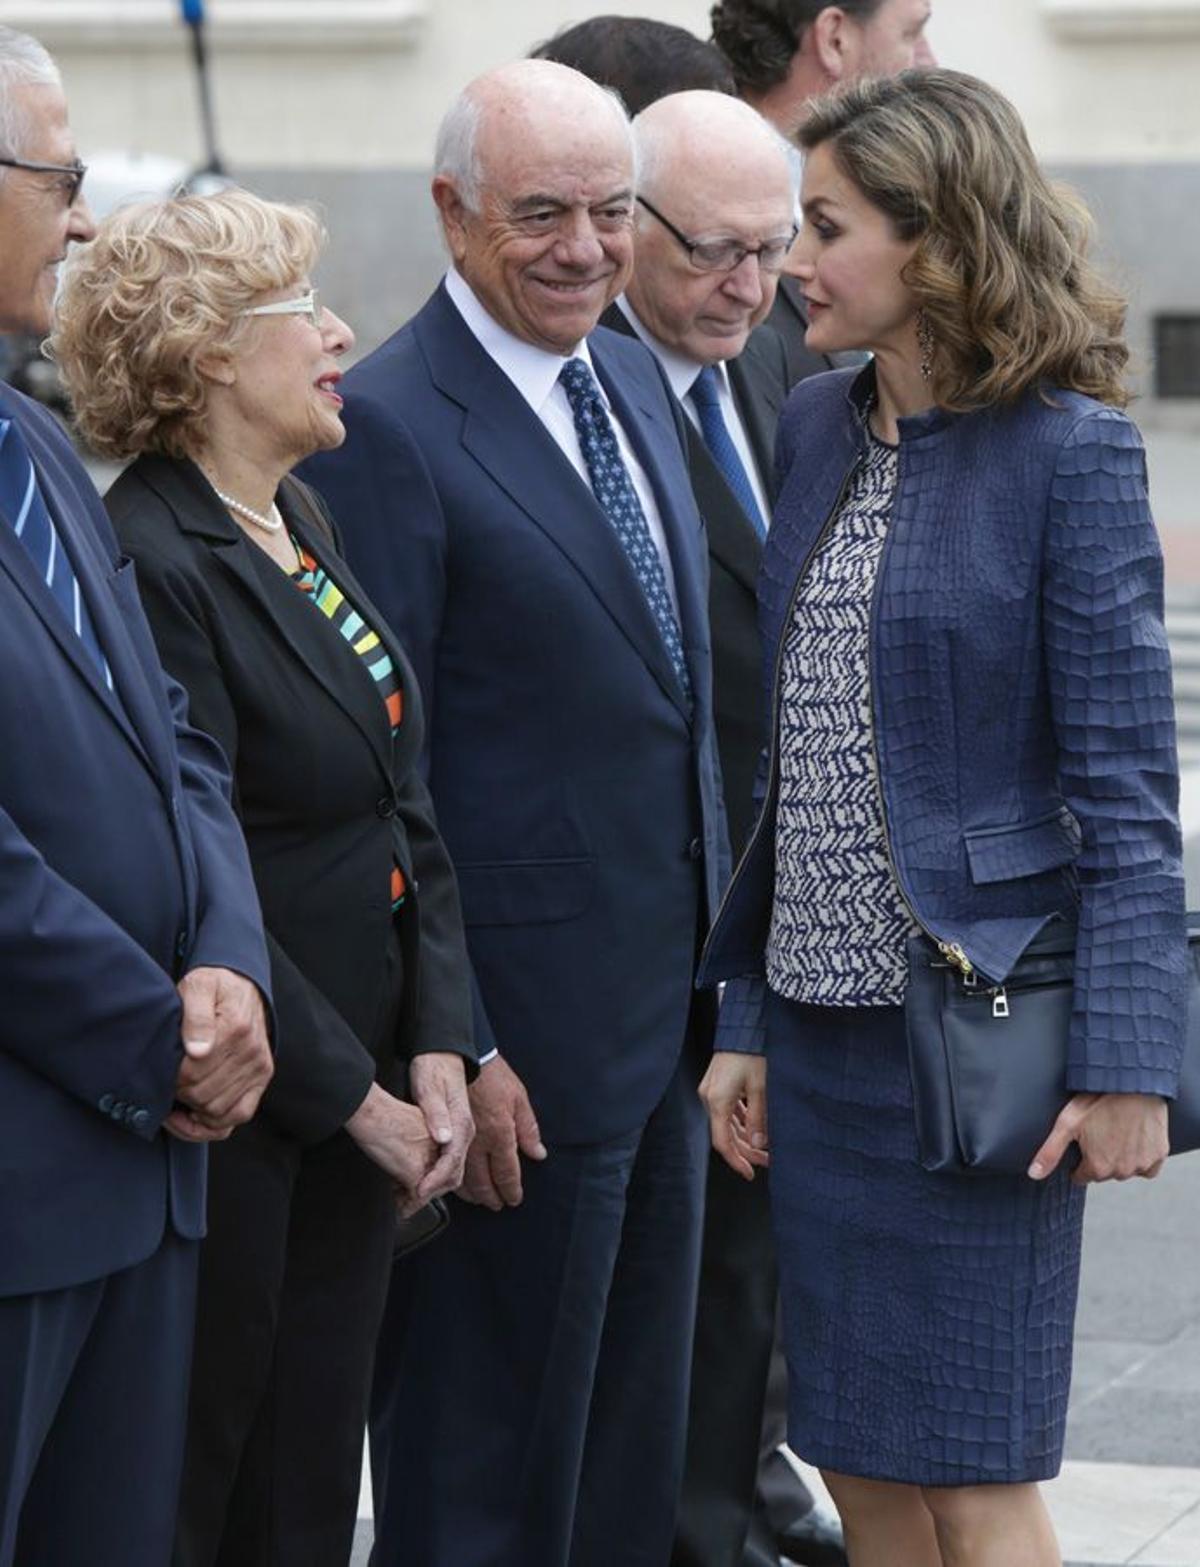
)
(135, 710)
(339, 670)
(732, 537)
(510, 443)
(640, 404)
(759, 398)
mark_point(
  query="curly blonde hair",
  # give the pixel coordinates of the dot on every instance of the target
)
(159, 290)
(1000, 264)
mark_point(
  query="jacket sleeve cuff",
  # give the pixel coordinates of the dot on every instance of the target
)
(741, 1023)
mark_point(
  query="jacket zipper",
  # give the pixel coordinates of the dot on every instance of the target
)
(950, 950)
(773, 757)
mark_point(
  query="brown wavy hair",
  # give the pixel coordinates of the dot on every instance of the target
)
(1000, 266)
(157, 291)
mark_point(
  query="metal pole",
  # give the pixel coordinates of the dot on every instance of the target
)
(193, 15)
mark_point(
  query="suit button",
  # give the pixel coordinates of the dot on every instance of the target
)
(695, 849)
(385, 807)
(181, 944)
(139, 1118)
(106, 1104)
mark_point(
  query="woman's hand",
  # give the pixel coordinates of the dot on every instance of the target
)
(734, 1091)
(394, 1136)
(438, 1083)
(1119, 1136)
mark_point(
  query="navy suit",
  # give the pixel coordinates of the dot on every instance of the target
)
(581, 804)
(121, 867)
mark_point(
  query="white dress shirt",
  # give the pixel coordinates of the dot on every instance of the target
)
(534, 372)
(681, 372)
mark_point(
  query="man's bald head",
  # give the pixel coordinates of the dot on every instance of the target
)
(711, 138)
(534, 181)
(528, 98)
(712, 170)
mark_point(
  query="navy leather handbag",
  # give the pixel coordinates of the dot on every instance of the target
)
(988, 1062)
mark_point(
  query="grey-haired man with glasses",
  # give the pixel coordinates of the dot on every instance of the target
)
(133, 968)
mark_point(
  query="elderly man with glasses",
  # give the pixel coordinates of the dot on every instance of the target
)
(716, 220)
(132, 960)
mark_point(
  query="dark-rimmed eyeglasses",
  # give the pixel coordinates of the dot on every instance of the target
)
(72, 172)
(724, 255)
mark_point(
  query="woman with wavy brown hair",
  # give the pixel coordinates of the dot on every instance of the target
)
(972, 737)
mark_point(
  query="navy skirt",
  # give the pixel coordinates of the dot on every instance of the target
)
(927, 1318)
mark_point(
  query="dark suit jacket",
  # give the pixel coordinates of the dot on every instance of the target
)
(759, 379)
(121, 867)
(325, 797)
(787, 317)
(579, 799)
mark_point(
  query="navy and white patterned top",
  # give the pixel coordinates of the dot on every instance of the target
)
(839, 923)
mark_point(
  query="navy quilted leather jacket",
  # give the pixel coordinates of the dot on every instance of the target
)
(1021, 706)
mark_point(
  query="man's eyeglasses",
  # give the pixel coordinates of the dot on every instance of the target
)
(723, 255)
(72, 173)
(306, 305)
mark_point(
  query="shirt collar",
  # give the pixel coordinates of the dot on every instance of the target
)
(533, 371)
(680, 371)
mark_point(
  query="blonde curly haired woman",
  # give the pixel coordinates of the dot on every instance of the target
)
(191, 339)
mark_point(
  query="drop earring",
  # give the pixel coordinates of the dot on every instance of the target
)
(925, 342)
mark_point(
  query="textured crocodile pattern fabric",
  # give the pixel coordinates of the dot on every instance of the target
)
(927, 1318)
(838, 922)
(1023, 708)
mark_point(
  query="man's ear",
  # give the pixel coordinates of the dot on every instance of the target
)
(830, 40)
(453, 212)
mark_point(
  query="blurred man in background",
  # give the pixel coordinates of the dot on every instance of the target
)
(784, 53)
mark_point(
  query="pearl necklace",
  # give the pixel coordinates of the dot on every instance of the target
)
(272, 522)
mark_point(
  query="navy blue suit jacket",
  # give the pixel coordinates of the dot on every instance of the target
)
(121, 867)
(580, 803)
(1021, 707)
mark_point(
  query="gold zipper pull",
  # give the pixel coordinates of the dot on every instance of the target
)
(954, 954)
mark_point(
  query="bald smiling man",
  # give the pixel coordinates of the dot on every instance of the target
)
(514, 486)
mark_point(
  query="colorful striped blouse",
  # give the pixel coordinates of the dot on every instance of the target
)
(312, 579)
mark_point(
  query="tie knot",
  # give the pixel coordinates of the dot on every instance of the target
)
(578, 382)
(706, 388)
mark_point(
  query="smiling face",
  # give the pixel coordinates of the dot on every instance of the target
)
(37, 220)
(848, 260)
(552, 243)
(283, 379)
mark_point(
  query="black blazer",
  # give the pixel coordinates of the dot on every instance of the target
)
(759, 380)
(325, 797)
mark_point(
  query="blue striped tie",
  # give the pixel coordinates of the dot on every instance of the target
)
(613, 488)
(22, 504)
(706, 394)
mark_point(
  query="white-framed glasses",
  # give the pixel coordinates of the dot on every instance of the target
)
(306, 305)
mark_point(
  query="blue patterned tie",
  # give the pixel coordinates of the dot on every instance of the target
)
(706, 394)
(22, 504)
(613, 488)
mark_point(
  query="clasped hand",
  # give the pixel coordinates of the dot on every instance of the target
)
(227, 1055)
